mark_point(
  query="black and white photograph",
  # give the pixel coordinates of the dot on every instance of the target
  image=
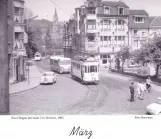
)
(84, 57)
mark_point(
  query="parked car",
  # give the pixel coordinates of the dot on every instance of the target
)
(154, 108)
(48, 78)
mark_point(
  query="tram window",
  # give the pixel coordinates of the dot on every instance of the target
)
(93, 68)
(85, 69)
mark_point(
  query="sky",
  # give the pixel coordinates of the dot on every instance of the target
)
(65, 8)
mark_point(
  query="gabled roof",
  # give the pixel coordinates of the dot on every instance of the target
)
(155, 21)
(138, 12)
(134, 25)
(114, 4)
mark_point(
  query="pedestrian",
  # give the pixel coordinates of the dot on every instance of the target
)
(140, 90)
(148, 84)
(132, 91)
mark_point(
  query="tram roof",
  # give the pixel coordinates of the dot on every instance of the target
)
(59, 57)
(85, 59)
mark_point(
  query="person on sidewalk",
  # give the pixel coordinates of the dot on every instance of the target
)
(148, 84)
(132, 91)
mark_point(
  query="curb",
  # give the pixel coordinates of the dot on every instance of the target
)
(24, 90)
(157, 83)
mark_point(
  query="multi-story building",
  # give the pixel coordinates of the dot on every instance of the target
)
(100, 28)
(138, 28)
(19, 51)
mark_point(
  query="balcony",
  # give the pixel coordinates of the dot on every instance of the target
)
(19, 3)
(106, 49)
(120, 29)
(18, 28)
(106, 29)
(92, 30)
(91, 17)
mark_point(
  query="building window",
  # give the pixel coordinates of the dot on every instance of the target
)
(104, 61)
(91, 38)
(16, 35)
(16, 10)
(104, 56)
(107, 10)
(105, 38)
(135, 32)
(120, 24)
(109, 38)
(101, 38)
(115, 38)
(139, 20)
(91, 10)
(121, 11)
(121, 38)
(106, 24)
(91, 24)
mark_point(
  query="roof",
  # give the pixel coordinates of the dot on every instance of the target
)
(155, 21)
(138, 12)
(114, 4)
(134, 25)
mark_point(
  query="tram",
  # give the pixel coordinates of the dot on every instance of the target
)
(86, 69)
(60, 64)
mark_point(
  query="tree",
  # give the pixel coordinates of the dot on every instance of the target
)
(151, 52)
(123, 54)
(27, 13)
(48, 39)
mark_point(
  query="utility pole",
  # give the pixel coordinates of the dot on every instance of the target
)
(4, 70)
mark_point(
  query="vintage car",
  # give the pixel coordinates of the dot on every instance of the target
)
(48, 78)
(154, 108)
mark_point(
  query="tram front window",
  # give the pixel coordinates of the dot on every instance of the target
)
(93, 69)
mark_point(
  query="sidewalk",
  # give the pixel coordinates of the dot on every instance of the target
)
(134, 75)
(34, 81)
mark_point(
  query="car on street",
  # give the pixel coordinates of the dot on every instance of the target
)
(48, 78)
(154, 108)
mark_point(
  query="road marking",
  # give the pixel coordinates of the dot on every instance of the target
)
(89, 93)
(98, 96)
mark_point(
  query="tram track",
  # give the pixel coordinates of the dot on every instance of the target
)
(95, 97)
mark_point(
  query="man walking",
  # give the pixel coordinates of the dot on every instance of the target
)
(132, 91)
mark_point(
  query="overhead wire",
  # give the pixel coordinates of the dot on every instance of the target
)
(60, 8)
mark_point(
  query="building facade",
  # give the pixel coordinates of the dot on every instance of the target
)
(100, 28)
(138, 28)
(155, 26)
(18, 50)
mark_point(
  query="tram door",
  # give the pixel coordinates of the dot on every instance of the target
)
(82, 71)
